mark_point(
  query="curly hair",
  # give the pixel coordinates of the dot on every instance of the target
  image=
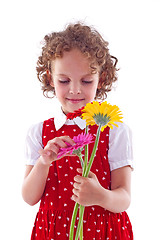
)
(90, 43)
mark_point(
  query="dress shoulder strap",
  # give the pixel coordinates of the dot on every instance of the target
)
(48, 131)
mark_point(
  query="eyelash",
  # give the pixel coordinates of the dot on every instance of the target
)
(63, 82)
(67, 81)
(87, 82)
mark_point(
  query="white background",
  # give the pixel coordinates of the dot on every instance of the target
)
(132, 29)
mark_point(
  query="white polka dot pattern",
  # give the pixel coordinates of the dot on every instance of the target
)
(56, 207)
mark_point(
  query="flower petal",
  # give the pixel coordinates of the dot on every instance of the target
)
(103, 114)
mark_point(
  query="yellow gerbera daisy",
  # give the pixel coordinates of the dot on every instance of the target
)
(103, 114)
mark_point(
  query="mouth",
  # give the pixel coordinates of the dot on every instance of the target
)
(72, 100)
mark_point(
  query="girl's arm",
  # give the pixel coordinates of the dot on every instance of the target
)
(88, 191)
(119, 197)
(34, 182)
(35, 176)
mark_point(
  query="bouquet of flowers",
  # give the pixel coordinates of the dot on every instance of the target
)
(103, 115)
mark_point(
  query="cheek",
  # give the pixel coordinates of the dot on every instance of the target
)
(60, 90)
(91, 91)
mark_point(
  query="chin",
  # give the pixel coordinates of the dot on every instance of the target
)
(74, 108)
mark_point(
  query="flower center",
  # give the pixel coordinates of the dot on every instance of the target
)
(77, 151)
(101, 119)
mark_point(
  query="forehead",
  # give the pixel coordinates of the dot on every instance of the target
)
(72, 61)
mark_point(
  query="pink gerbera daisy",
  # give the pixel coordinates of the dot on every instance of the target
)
(80, 141)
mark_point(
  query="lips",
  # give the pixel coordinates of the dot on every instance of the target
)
(73, 100)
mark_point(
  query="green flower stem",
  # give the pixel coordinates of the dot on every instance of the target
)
(73, 221)
(81, 231)
(93, 152)
(81, 160)
(84, 166)
(86, 154)
(81, 211)
(85, 174)
(80, 222)
(86, 170)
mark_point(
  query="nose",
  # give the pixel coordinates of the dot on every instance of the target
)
(75, 88)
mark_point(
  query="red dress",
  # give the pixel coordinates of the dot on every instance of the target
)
(56, 207)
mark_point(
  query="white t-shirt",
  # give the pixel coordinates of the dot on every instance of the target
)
(120, 141)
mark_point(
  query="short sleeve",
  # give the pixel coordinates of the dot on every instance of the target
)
(120, 152)
(33, 143)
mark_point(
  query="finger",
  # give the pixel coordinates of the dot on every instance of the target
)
(52, 147)
(74, 198)
(58, 142)
(71, 155)
(61, 141)
(91, 175)
(76, 185)
(46, 153)
(67, 139)
(79, 179)
(79, 170)
(75, 191)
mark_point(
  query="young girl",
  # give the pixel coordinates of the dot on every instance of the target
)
(77, 68)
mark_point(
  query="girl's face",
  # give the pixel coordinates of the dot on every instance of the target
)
(73, 81)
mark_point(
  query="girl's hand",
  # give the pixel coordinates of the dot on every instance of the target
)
(49, 153)
(87, 191)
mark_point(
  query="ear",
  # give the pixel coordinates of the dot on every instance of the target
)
(51, 83)
(101, 79)
(99, 84)
(49, 76)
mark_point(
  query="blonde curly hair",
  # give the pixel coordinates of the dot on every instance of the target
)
(90, 43)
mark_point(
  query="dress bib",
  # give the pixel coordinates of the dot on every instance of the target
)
(56, 207)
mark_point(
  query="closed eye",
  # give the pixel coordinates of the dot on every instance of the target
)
(86, 82)
(64, 81)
